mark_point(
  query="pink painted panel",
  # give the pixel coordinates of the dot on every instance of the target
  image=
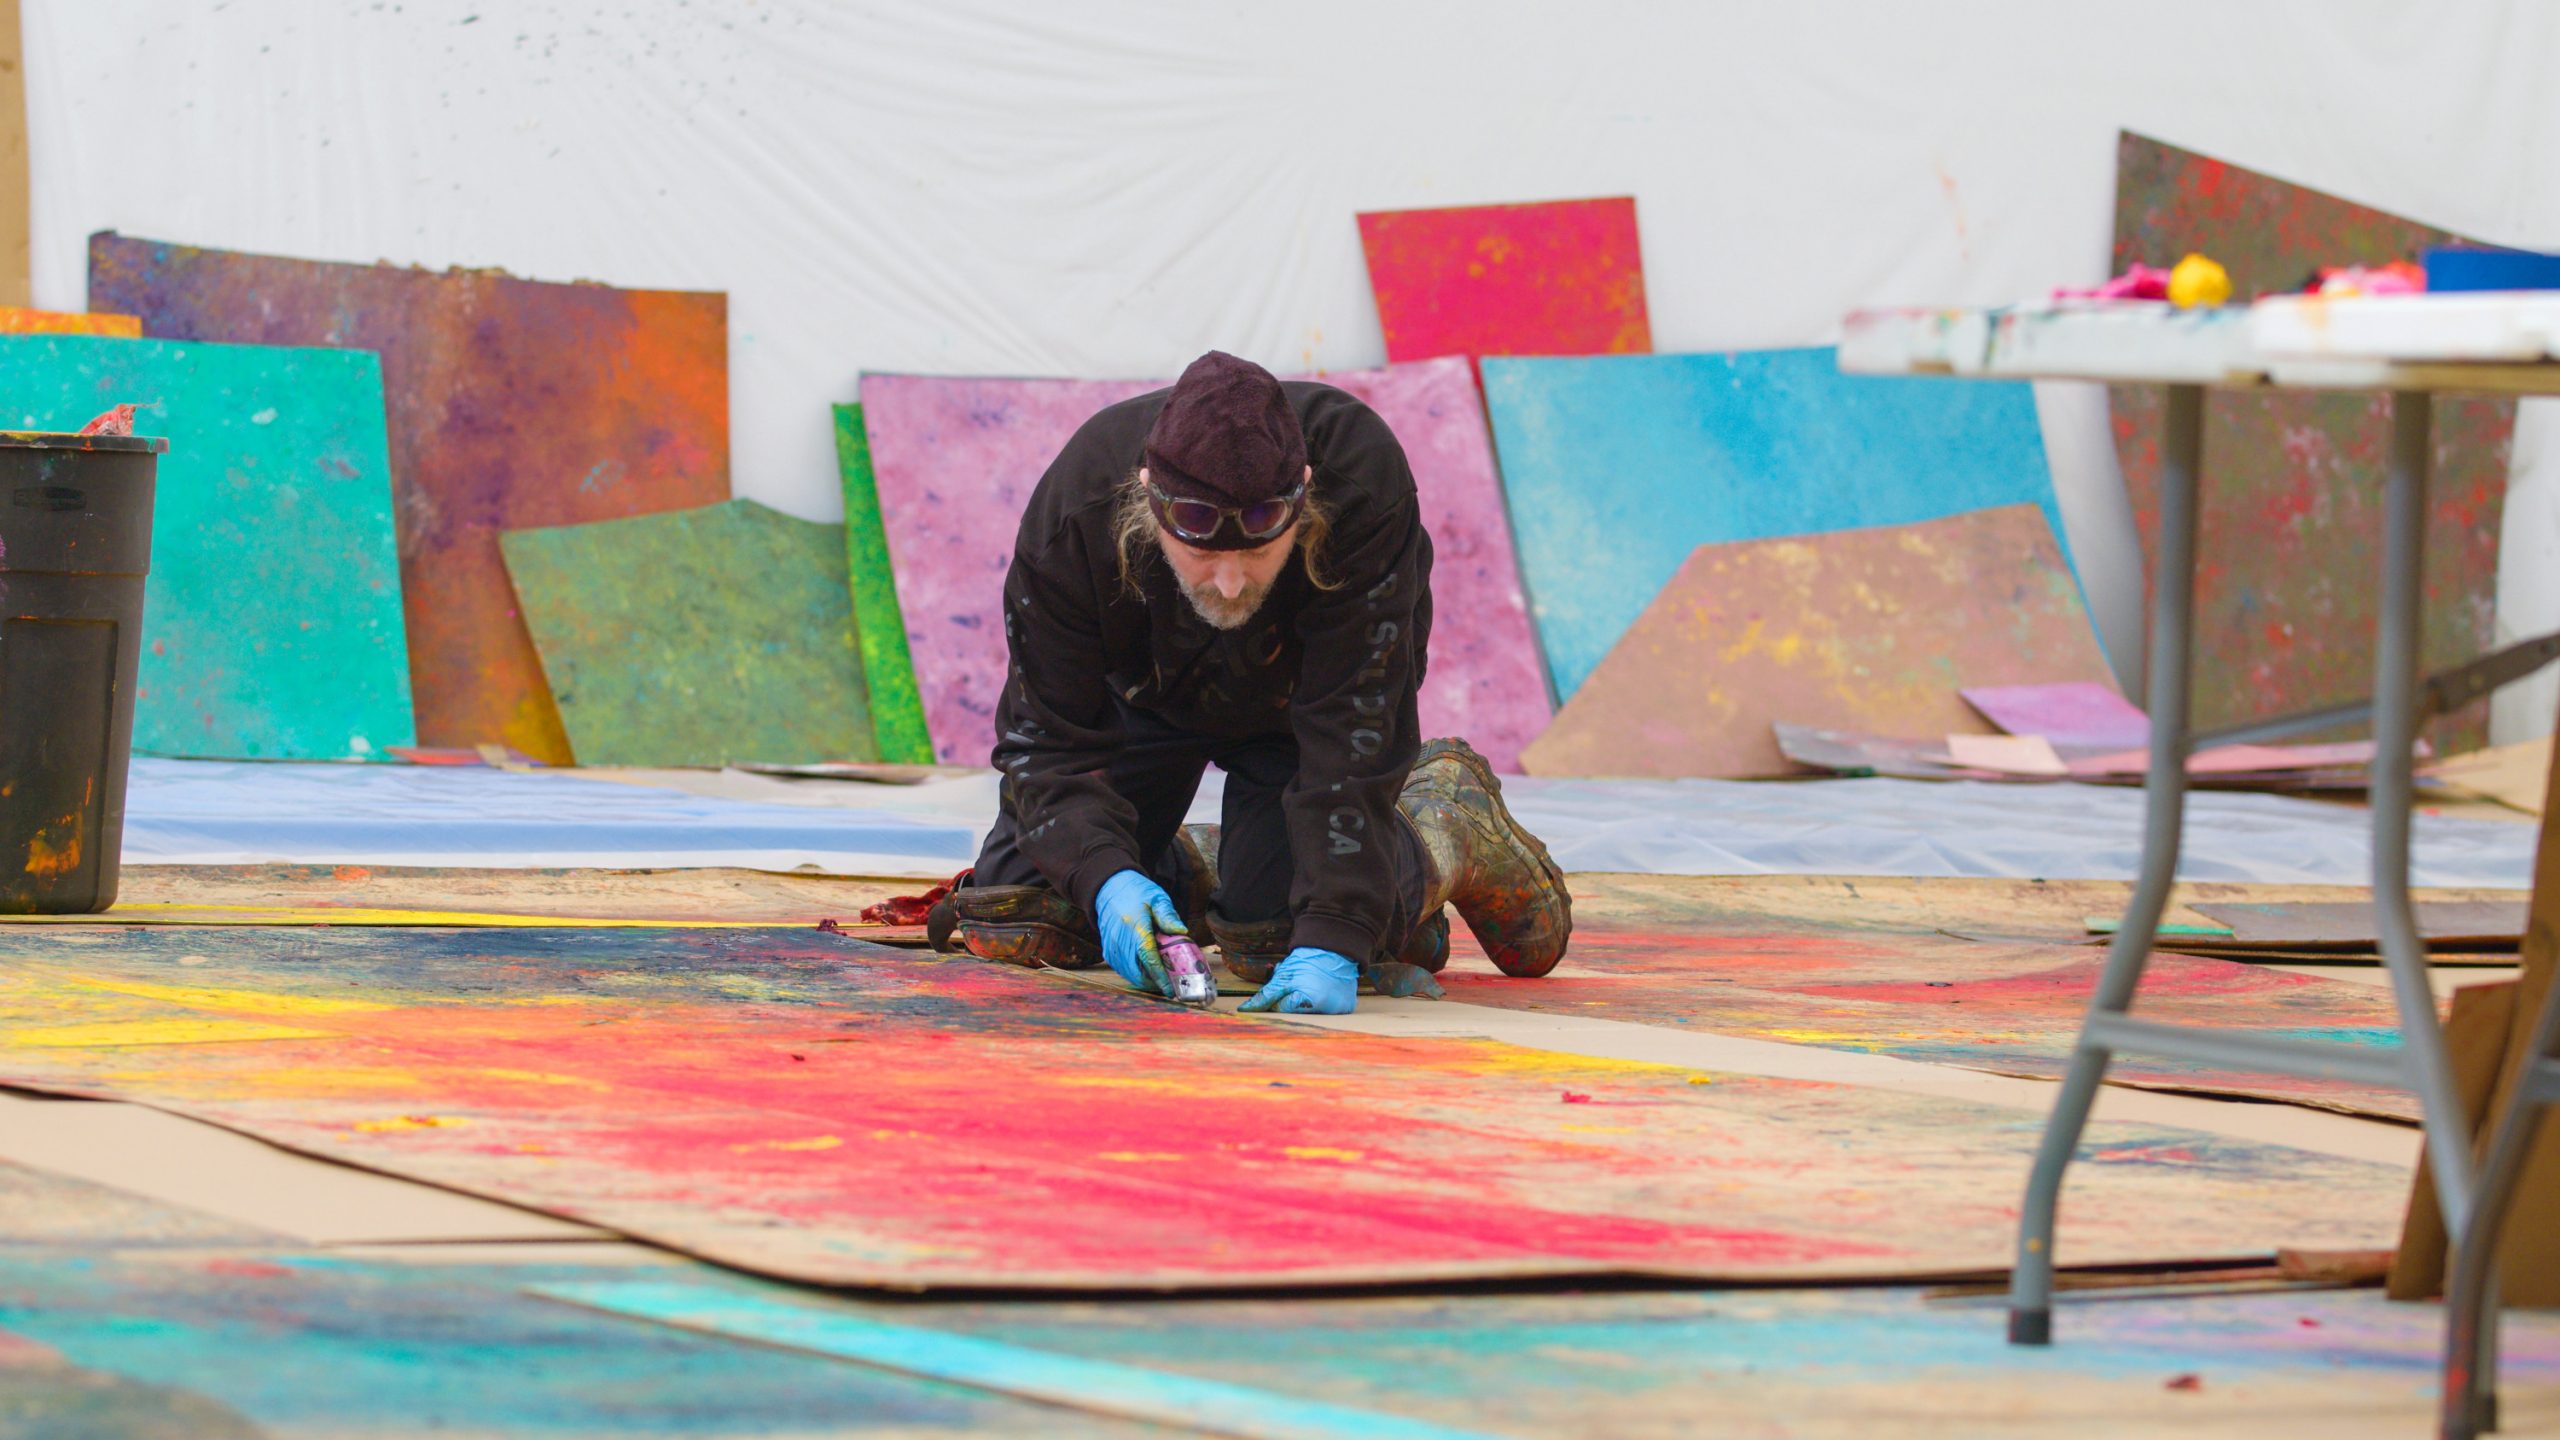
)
(956, 460)
(2072, 712)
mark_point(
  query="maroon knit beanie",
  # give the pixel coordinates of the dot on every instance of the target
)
(1226, 435)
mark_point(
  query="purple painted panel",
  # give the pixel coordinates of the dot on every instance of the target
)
(956, 460)
(2076, 712)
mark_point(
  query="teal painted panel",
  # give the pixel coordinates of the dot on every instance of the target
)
(696, 637)
(1099, 1386)
(271, 624)
(1618, 466)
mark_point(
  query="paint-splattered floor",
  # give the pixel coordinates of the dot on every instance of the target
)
(195, 1284)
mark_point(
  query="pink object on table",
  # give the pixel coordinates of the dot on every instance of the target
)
(2072, 712)
(2397, 278)
(956, 460)
(2138, 282)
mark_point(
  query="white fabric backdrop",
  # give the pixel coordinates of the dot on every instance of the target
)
(1107, 188)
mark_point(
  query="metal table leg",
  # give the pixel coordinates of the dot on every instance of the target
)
(2165, 801)
(2395, 737)
(2420, 1065)
(2471, 1298)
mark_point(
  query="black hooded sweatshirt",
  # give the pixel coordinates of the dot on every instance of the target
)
(1338, 667)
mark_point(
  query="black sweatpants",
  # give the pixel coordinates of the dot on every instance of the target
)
(1158, 772)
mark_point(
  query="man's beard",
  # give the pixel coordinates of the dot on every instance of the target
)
(1220, 611)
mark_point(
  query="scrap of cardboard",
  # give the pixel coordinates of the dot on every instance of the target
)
(2009, 754)
(2073, 712)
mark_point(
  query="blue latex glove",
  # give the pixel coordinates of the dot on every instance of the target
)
(1130, 911)
(1309, 982)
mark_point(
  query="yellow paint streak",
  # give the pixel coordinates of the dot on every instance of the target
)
(1492, 1057)
(310, 1081)
(261, 1002)
(154, 1032)
(1319, 1152)
(1824, 1037)
(1139, 1157)
(814, 1142)
(545, 1077)
(409, 1122)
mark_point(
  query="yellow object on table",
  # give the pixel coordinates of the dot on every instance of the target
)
(2198, 281)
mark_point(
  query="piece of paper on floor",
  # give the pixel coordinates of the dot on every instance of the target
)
(2008, 754)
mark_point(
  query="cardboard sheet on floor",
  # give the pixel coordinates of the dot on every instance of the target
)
(696, 637)
(245, 1342)
(948, 453)
(1872, 629)
(2512, 775)
(880, 626)
(271, 622)
(2351, 925)
(513, 403)
(2290, 534)
(674, 895)
(1556, 277)
(1853, 754)
(835, 1113)
(2071, 712)
(18, 320)
(1619, 466)
(1655, 957)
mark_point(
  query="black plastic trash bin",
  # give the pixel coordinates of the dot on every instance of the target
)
(75, 543)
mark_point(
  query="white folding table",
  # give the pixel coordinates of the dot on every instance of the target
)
(2412, 347)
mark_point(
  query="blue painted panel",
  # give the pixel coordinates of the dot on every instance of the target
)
(271, 623)
(1618, 466)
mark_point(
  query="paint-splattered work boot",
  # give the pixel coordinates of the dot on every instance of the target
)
(1251, 949)
(1019, 924)
(1480, 860)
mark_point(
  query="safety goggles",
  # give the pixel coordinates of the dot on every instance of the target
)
(1198, 522)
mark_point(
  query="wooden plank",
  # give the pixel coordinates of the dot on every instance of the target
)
(2351, 924)
(16, 197)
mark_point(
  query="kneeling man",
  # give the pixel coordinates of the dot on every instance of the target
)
(1233, 572)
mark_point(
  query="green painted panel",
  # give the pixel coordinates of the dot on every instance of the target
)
(696, 637)
(271, 623)
(897, 709)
